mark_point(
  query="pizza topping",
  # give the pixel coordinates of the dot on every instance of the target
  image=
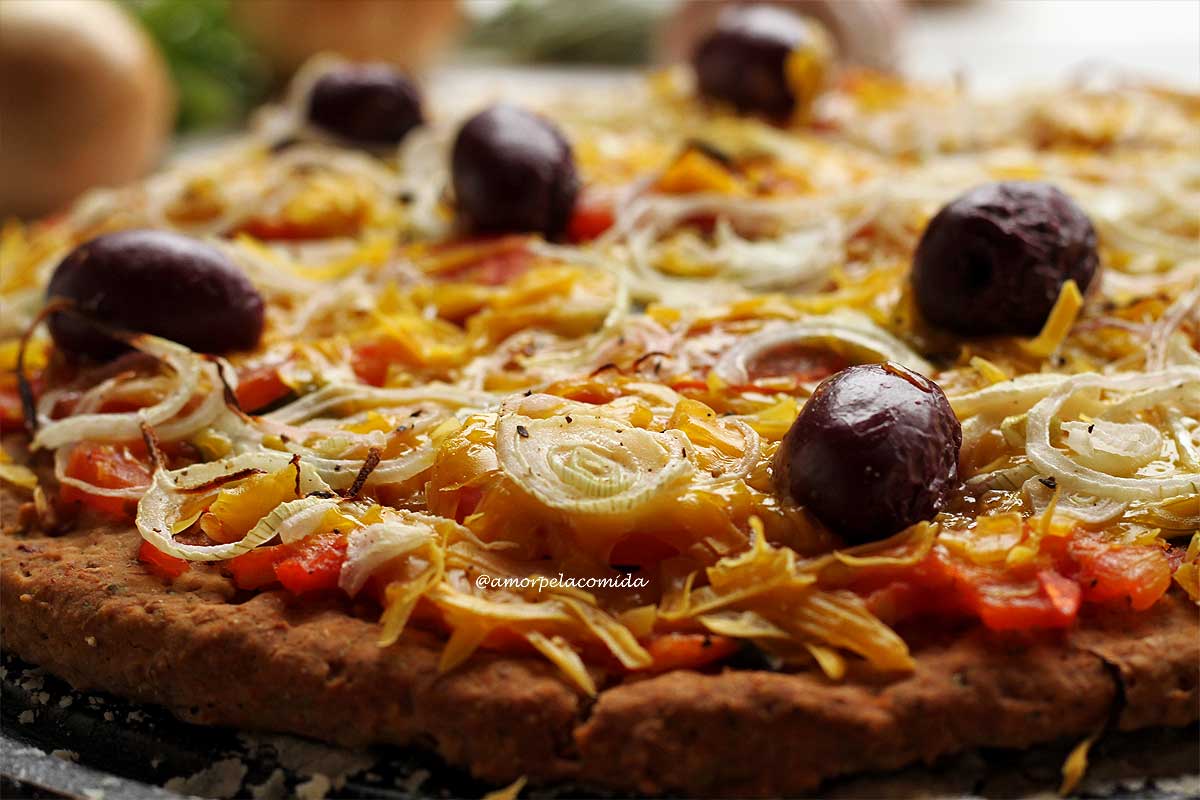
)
(164, 566)
(180, 403)
(382, 542)
(109, 478)
(514, 171)
(594, 465)
(1043, 496)
(853, 337)
(176, 499)
(874, 450)
(995, 259)
(1122, 460)
(766, 594)
(1119, 448)
(145, 281)
(367, 104)
(765, 60)
(1015, 574)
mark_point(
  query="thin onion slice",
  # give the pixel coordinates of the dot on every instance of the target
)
(591, 465)
(340, 473)
(61, 458)
(852, 331)
(1118, 448)
(1150, 388)
(1091, 512)
(118, 427)
(1007, 398)
(358, 396)
(161, 508)
(373, 546)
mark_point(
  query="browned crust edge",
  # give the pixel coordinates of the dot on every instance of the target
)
(81, 606)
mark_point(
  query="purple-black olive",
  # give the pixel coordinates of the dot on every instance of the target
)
(994, 260)
(874, 450)
(763, 60)
(153, 282)
(369, 104)
(514, 171)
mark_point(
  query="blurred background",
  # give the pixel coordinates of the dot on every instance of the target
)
(94, 92)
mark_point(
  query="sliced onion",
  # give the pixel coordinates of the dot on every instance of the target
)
(591, 465)
(203, 416)
(852, 331)
(188, 368)
(1179, 515)
(1150, 389)
(1006, 479)
(1008, 397)
(357, 396)
(1091, 512)
(339, 473)
(160, 509)
(296, 519)
(373, 546)
(1118, 448)
(751, 455)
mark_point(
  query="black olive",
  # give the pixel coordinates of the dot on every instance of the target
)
(153, 282)
(763, 59)
(994, 260)
(370, 104)
(874, 450)
(514, 171)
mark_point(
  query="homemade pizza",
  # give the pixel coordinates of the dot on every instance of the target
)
(716, 433)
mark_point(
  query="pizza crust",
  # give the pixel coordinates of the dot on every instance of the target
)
(84, 608)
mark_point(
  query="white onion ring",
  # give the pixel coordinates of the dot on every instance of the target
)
(124, 426)
(751, 454)
(1007, 397)
(63, 454)
(373, 546)
(592, 465)
(1091, 512)
(160, 507)
(859, 332)
(1155, 387)
(332, 395)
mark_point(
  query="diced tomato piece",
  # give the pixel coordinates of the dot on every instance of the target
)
(589, 220)
(283, 230)
(497, 261)
(260, 386)
(256, 569)
(12, 416)
(315, 565)
(499, 269)
(1044, 593)
(161, 564)
(688, 650)
(109, 466)
(1012, 598)
(370, 360)
(1108, 572)
(689, 383)
(306, 566)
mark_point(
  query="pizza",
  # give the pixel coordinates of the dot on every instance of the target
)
(717, 432)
